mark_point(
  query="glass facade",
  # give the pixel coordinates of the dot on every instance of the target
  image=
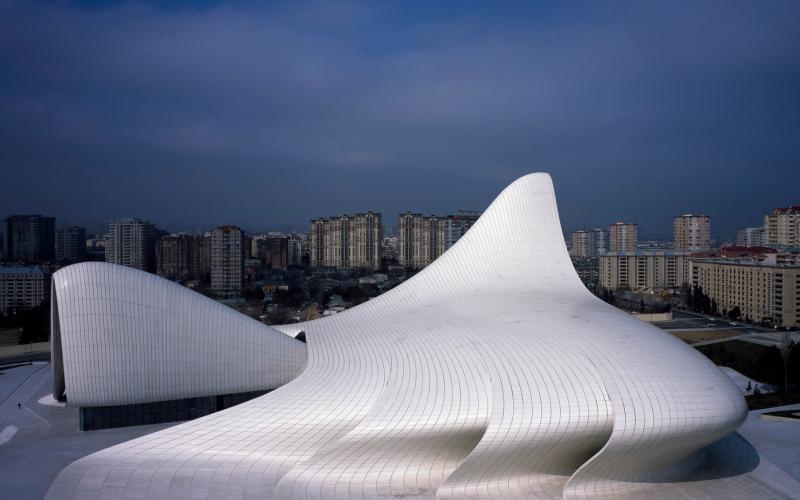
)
(108, 417)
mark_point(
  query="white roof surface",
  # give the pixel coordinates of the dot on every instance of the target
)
(493, 373)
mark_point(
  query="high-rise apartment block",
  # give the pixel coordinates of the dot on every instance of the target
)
(175, 256)
(298, 249)
(423, 238)
(22, 288)
(346, 241)
(650, 270)
(29, 238)
(782, 227)
(622, 237)
(765, 289)
(71, 244)
(132, 243)
(692, 233)
(271, 249)
(581, 244)
(600, 241)
(227, 261)
(750, 237)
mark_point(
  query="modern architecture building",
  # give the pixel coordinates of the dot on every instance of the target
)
(765, 288)
(228, 250)
(22, 287)
(29, 238)
(132, 243)
(71, 244)
(622, 237)
(492, 373)
(782, 227)
(346, 241)
(750, 237)
(692, 233)
(644, 270)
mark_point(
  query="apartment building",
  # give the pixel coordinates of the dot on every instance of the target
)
(227, 262)
(29, 238)
(692, 233)
(132, 243)
(644, 270)
(346, 241)
(782, 227)
(22, 288)
(71, 244)
(623, 237)
(750, 237)
(765, 289)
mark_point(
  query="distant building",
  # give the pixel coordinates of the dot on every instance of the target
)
(622, 237)
(22, 288)
(132, 243)
(298, 249)
(175, 256)
(346, 241)
(71, 244)
(227, 261)
(458, 224)
(201, 265)
(644, 270)
(423, 238)
(600, 241)
(29, 238)
(765, 288)
(390, 247)
(782, 227)
(582, 245)
(588, 269)
(750, 237)
(692, 233)
(272, 250)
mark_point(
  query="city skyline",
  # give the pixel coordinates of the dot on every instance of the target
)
(242, 113)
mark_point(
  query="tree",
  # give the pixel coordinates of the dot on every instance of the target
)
(641, 305)
(735, 313)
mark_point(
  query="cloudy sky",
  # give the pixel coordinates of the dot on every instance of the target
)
(267, 114)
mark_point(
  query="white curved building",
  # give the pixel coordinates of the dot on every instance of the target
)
(493, 373)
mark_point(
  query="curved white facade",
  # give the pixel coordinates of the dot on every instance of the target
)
(123, 336)
(493, 373)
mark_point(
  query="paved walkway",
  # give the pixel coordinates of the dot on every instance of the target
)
(46, 438)
(778, 442)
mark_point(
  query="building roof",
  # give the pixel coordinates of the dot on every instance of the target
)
(491, 373)
(21, 270)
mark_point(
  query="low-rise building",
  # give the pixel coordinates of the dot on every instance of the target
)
(22, 288)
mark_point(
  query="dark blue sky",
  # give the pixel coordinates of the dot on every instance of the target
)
(266, 115)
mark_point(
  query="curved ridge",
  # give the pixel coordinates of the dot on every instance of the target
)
(492, 373)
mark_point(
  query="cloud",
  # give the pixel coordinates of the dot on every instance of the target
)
(639, 111)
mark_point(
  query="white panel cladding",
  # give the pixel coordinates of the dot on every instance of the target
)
(492, 373)
(127, 336)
